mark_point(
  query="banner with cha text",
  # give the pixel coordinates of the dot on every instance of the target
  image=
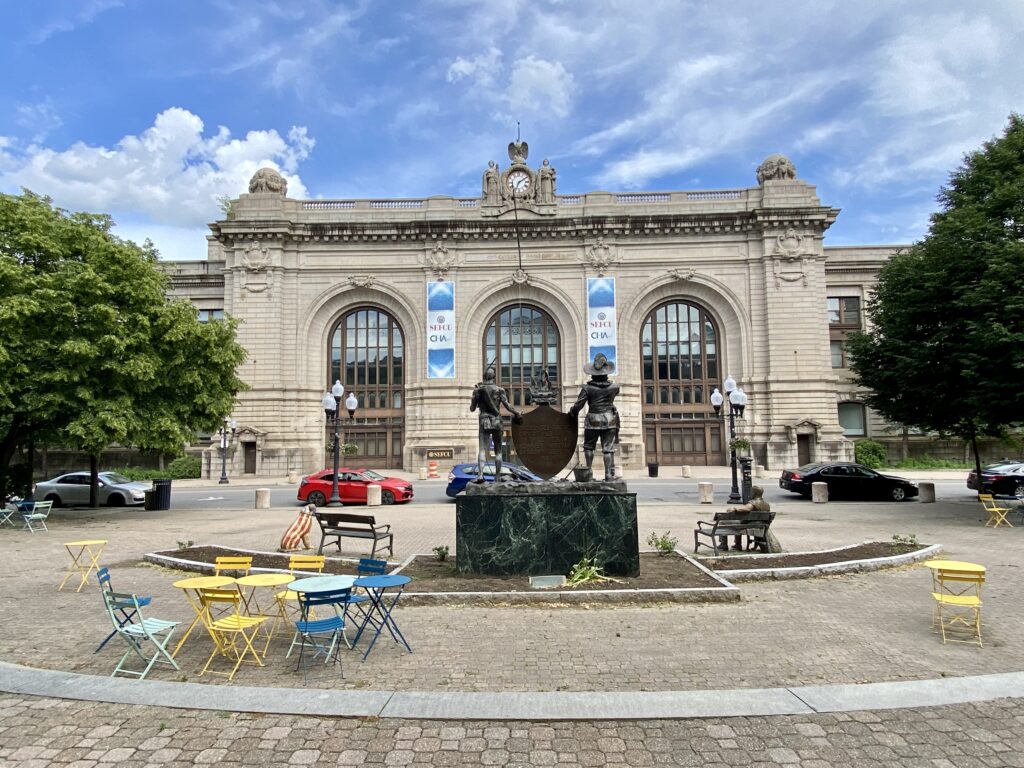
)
(601, 322)
(440, 330)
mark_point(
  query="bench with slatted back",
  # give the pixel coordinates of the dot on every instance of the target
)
(337, 525)
(753, 525)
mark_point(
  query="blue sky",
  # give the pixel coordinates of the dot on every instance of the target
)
(151, 110)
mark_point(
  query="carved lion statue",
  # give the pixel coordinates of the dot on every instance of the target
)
(775, 167)
(268, 180)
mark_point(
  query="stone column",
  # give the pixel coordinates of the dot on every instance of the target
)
(706, 493)
(819, 493)
(373, 495)
(926, 493)
(262, 498)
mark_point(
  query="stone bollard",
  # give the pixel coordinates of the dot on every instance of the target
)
(706, 493)
(758, 470)
(373, 495)
(262, 498)
(686, 471)
(926, 493)
(293, 476)
(819, 493)
(423, 473)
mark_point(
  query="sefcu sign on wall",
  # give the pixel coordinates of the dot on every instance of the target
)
(601, 321)
(440, 329)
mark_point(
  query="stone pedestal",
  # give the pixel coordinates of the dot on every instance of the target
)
(373, 495)
(926, 493)
(262, 498)
(819, 493)
(546, 528)
(706, 493)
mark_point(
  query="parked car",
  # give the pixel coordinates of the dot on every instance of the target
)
(73, 488)
(316, 488)
(462, 474)
(1002, 479)
(847, 481)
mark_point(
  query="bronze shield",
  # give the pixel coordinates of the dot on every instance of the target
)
(545, 440)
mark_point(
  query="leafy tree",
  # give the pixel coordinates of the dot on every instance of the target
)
(91, 349)
(946, 348)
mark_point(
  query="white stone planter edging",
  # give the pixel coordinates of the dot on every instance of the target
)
(849, 566)
(181, 564)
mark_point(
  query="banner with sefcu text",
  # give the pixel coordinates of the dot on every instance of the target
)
(440, 329)
(601, 322)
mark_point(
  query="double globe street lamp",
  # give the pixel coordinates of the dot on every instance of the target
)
(226, 431)
(330, 404)
(737, 405)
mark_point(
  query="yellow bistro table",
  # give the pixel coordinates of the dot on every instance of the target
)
(85, 559)
(253, 582)
(952, 565)
(191, 587)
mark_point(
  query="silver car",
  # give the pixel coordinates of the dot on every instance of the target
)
(73, 488)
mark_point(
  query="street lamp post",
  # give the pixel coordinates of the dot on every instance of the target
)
(226, 431)
(351, 404)
(737, 405)
(331, 403)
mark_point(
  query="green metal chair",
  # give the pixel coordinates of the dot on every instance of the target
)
(137, 632)
(37, 514)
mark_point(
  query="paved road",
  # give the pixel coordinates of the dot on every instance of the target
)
(648, 490)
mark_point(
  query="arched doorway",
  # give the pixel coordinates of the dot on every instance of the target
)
(680, 363)
(520, 340)
(367, 354)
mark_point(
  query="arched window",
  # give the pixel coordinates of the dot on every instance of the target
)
(368, 355)
(679, 359)
(519, 340)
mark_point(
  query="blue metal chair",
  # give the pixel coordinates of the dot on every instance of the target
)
(138, 632)
(324, 636)
(368, 567)
(125, 613)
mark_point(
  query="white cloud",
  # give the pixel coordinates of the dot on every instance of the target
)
(170, 173)
(39, 119)
(542, 86)
(65, 23)
(482, 69)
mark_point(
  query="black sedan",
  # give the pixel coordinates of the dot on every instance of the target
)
(1003, 479)
(847, 481)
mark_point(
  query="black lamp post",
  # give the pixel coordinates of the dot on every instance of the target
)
(330, 404)
(737, 405)
(225, 432)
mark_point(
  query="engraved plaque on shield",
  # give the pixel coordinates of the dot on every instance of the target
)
(545, 440)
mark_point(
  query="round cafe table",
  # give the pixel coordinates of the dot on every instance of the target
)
(378, 613)
(254, 581)
(85, 559)
(191, 587)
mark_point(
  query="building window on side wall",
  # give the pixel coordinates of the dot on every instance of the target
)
(844, 311)
(851, 419)
(206, 315)
(838, 348)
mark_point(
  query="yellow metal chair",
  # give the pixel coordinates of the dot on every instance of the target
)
(241, 564)
(231, 629)
(300, 565)
(957, 598)
(996, 514)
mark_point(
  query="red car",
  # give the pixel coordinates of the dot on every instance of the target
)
(316, 488)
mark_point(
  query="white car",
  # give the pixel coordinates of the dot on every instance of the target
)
(73, 489)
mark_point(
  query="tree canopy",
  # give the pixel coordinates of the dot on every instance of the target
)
(945, 348)
(91, 349)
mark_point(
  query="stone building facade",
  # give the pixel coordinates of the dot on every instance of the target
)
(407, 300)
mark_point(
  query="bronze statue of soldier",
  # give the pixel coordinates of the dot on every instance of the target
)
(602, 420)
(489, 397)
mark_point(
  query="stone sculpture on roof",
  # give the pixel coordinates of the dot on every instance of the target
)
(775, 167)
(268, 180)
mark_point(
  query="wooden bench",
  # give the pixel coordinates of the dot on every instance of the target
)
(338, 525)
(750, 525)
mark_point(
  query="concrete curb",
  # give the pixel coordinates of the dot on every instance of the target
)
(558, 705)
(827, 569)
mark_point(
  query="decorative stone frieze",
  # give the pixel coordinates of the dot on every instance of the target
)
(361, 281)
(440, 259)
(257, 277)
(788, 255)
(682, 275)
(774, 168)
(601, 256)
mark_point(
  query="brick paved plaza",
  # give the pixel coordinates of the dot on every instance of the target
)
(858, 628)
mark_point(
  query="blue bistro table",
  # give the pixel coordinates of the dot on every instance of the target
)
(318, 584)
(378, 613)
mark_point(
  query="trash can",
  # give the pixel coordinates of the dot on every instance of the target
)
(150, 499)
(652, 469)
(161, 495)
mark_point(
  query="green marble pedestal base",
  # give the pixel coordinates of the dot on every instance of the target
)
(515, 529)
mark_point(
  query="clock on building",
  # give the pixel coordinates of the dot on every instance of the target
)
(518, 182)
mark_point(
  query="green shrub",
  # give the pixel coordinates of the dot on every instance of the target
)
(185, 468)
(927, 462)
(869, 453)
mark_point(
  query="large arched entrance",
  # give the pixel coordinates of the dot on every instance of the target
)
(519, 340)
(367, 354)
(679, 357)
